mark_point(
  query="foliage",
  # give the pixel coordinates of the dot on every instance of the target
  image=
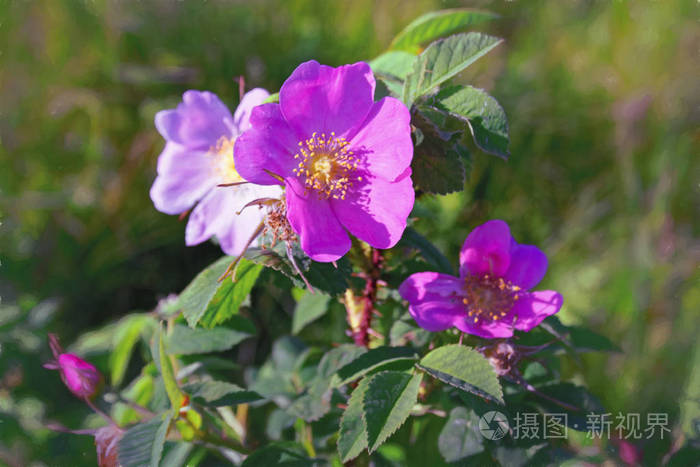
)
(217, 367)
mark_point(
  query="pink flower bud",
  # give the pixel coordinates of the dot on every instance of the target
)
(81, 377)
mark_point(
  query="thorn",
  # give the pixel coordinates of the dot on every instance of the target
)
(335, 265)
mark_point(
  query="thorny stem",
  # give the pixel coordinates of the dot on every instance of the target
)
(362, 331)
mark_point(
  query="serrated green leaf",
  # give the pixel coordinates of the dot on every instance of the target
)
(231, 294)
(193, 301)
(142, 444)
(186, 341)
(443, 60)
(438, 24)
(394, 64)
(485, 117)
(322, 276)
(124, 339)
(437, 165)
(463, 368)
(352, 437)
(372, 360)
(460, 437)
(393, 85)
(220, 393)
(411, 238)
(387, 403)
(175, 395)
(310, 307)
(316, 402)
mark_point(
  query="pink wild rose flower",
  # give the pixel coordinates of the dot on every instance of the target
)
(198, 156)
(491, 297)
(81, 377)
(343, 158)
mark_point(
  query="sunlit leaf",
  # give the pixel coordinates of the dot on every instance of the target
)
(387, 403)
(463, 368)
(443, 60)
(438, 24)
(353, 430)
(485, 117)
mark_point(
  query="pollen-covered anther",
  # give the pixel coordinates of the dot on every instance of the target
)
(326, 165)
(489, 298)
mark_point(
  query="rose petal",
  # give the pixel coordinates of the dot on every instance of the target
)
(184, 177)
(323, 99)
(433, 300)
(197, 123)
(534, 307)
(485, 329)
(212, 215)
(322, 237)
(385, 139)
(377, 211)
(251, 99)
(486, 249)
(269, 145)
(234, 236)
(528, 265)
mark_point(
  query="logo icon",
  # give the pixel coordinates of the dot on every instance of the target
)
(493, 425)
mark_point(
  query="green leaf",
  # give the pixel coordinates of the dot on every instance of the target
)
(195, 299)
(166, 370)
(143, 444)
(393, 85)
(577, 397)
(411, 238)
(387, 403)
(322, 276)
(185, 341)
(443, 60)
(460, 437)
(463, 368)
(272, 98)
(438, 24)
(437, 161)
(316, 402)
(285, 454)
(353, 432)
(485, 117)
(220, 393)
(309, 308)
(125, 338)
(372, 360)
(230, 295)
(394, 64)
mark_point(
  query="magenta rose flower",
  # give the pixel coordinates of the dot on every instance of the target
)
(491, 297)
(344, 159)
(198, 156)
(81, 377)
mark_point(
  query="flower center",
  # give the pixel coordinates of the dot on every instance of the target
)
(326, 165)
(489, 298)
(223, 160)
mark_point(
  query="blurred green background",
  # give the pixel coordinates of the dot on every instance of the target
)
(603, 101)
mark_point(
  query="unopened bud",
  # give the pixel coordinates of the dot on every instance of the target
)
(81, 377)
